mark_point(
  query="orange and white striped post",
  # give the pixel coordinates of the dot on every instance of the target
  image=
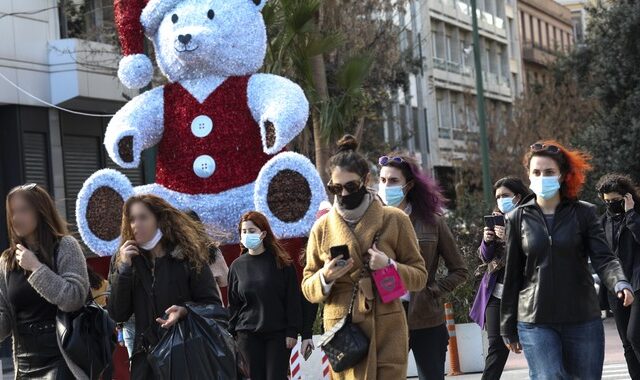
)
(454, 360)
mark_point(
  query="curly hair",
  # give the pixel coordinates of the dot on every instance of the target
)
(178, 229)
(574, 166)
(425, 196)
(270, 241)
(618, 183)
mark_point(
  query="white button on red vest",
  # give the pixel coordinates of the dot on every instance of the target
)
(204, 166)
(201, 126)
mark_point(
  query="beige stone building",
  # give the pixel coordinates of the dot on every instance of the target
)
(546, 29)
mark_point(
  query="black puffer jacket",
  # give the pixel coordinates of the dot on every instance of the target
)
(547, 275)
(627, 246)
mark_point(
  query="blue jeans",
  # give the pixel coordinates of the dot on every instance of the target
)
(564, 351)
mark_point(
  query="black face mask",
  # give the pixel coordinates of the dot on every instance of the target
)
(353, 200)
(616, 207)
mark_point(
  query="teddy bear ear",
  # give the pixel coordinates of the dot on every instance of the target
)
(259, 3)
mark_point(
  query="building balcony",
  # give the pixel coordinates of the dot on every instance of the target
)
(83, 75)
(534, 53)
(490, 26)
(461, 77)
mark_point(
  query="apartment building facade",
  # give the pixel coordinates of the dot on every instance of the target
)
(39, 142)
(546, 29)
(440, 105)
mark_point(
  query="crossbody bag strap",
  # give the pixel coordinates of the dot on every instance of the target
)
(356, 286)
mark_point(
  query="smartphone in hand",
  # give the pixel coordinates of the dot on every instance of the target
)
(340, 250)
(498, 220)
(489, 222)
(307, 353)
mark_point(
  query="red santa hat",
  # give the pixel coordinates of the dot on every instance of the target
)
(134, 19)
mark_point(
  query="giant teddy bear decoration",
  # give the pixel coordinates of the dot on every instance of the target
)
(220, 127)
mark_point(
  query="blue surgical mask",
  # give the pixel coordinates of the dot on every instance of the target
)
(251, 241)
(506, 205)
(392, 195)
(545, 187)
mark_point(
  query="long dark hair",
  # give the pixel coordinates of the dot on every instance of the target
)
(348, 159)
(177, 229)
(425, 196)
(50, 229)
(515, 184)
(574, 166)
(618, 183)
(270, 241)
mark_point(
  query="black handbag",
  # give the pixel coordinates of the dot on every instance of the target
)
(86, 336)
(345, 344)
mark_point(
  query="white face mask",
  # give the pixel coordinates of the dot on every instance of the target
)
(151, 244)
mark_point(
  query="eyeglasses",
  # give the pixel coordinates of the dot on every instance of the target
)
(351, 187)
(384, 160)
(28, 186)
(539, 147)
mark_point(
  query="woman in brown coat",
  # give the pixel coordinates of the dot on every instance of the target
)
(355, 220)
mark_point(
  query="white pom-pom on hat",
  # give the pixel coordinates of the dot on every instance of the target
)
(134, 19)
(135, 71)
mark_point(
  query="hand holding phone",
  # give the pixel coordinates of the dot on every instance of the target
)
(489, 222)
(341, 251)
(307, 348)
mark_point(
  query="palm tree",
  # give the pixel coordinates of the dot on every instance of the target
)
(297, 48)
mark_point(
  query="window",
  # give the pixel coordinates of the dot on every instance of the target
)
(539, 34)
(439, 42)
(444, 127)
(546, 30)
(493, 60)
(532, 35)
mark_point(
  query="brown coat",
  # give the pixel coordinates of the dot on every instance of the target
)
(384, 324)
(426, 308)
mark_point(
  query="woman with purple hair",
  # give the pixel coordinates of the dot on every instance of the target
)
(405, 186)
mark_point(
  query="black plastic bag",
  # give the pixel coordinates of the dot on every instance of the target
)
(197, 347)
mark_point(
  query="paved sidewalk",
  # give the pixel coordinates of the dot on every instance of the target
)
(615, 367)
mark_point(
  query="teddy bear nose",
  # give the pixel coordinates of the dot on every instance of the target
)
(184, 38)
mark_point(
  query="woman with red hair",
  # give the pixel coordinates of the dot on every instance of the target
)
(264, 300)
(549, 307)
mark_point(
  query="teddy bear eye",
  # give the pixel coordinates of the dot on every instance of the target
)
(211, 14)
(174, 18)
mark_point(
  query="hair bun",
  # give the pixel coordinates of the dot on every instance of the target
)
(347, 143)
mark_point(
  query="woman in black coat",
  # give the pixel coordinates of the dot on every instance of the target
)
(621, 224)
(161, 265)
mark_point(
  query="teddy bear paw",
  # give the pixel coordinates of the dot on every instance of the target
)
(289, 192)
(99, 210)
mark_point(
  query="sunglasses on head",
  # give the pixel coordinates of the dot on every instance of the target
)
(540, 147)
(350, 187)
(384, 160)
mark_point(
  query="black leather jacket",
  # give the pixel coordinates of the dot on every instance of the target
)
(547, 278)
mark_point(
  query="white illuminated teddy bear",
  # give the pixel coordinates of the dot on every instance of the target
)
(220, 127)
